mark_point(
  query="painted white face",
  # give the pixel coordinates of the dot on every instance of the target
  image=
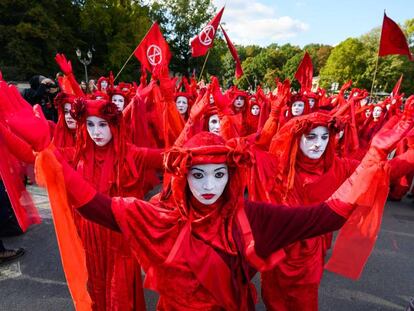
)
(239, 102)
(367, 113)
(297, 108)
(182, 104)
(70, 122)
(364, 101)
(376, 113)
(211, 99)
(104, 85)
(119, 101)
(314, 143)
(255, 110)
(214, 124)
(311, 102)
(207, 182)
(98, 130)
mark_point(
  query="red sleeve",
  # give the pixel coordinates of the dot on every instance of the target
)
(154, 158)
(402, 165)
(275, 226)
(99, 210)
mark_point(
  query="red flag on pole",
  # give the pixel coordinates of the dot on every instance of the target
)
(393, 40)
(153, 50)
(204, 40)
(233, 52)
(396, 89)
(304, 74)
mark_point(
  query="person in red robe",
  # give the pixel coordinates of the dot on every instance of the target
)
(110, 164)
(199, 241)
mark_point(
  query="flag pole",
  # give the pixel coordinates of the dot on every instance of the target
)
(204, 65)
(117, 75)
(375, 75)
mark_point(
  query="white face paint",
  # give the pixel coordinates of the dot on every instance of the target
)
(314, 143)
(119, 101)
(297, 108)
(311, 102)
(367, 113)
(207, 182)
(211, 99)
(239, 102)
(376, 113)
(255, 110)
(104, 85)
(98, 130)
(70, 122)
(364, 101)
(182, 104)
(214, 124)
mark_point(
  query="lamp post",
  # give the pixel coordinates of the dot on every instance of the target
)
(85, 61)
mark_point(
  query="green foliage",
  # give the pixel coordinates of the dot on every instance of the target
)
(346, 61)
(33, 31)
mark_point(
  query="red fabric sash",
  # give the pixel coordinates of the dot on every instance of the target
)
(49, 174)
(21, 200)
(357, 237)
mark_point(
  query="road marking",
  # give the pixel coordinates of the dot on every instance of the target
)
(410, 235)
(10, 271)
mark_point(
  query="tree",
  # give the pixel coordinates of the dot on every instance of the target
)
(346, 61)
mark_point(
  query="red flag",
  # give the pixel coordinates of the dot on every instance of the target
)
(396, 89)
(393, 40)
(304, 74)
(204, 40)
(233, 51)
(153, 51)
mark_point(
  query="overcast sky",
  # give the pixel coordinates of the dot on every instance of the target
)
(300, 22)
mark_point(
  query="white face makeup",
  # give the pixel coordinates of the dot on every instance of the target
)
(182, 104)
(297, 108)
(376, 113)
(255, 110)
(364, 101)
(239, 102)
(207, 182)
(70, 122)
(367, 113)
(214, 124)
(314, 143)
(98, 130)
(211, 99)
(104, 85)
(311, 102)
(119, 101)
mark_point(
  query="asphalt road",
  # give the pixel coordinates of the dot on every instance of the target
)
(37, 283)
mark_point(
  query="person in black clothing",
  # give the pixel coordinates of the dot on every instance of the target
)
(8, 227)
(42, 91)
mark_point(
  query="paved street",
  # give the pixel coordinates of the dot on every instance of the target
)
(37, 282)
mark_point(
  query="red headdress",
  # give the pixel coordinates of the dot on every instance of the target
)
(252, 121)
(63, 136)
(183, 89)
(86, 149)
(208, 148)
(313, 95)
(124, 91)
(295, 98)
(285, 146)
(100, 80)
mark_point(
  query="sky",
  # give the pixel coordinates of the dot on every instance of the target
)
(301, 22)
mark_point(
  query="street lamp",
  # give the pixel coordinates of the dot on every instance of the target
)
(85, 61)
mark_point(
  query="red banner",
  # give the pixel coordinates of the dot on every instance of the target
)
(233, 52)
(205, 39)
(393, 40)
(153, 51)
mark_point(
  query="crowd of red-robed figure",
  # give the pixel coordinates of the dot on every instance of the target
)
(285, 168)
